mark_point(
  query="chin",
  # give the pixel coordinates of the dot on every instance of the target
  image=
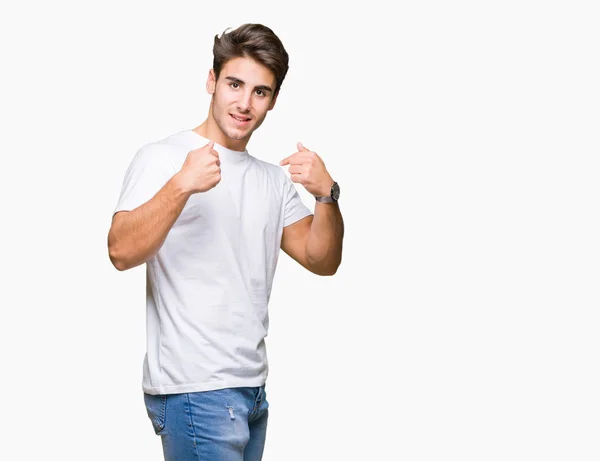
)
(237, 136)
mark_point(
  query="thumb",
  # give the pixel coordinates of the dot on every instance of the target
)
(211, 149)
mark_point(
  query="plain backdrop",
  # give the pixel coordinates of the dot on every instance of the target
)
(463, 322)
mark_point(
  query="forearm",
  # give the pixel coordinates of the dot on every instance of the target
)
(139, 234)
(324, 241)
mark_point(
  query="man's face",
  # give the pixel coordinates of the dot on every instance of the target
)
(241, 99)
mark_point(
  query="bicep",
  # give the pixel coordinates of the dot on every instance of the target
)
(293, 240)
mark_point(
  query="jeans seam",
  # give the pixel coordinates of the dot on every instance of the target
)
(163, 413)
(189, 410)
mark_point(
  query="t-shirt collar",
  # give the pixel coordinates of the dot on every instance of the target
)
(225, 155)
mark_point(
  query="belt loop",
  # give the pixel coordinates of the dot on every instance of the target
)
(259, 396)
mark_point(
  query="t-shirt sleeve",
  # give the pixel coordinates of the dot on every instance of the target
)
(294, 209)
(148, 172)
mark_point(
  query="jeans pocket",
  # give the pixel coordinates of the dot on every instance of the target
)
(156, 408)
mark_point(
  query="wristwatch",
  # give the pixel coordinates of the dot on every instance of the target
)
(332, 197)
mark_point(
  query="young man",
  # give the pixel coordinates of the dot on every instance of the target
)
(208, 219)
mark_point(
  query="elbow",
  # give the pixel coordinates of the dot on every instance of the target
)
(115, 254)
(327, 266)
(123, 257)
(332, 271)
(117, 261)
(119, 265)
(326, 271)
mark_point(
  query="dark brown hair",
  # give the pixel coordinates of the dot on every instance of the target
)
(252, 41)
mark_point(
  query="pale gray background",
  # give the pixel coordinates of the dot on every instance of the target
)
(463, 322)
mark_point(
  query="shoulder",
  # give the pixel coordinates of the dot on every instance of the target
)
(275, 172)
(159, 153)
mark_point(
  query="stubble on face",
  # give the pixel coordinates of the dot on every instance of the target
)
(223, 121)
(226, 102)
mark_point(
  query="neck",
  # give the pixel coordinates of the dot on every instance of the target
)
(209, 129)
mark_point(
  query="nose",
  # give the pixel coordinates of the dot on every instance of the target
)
(244, 103)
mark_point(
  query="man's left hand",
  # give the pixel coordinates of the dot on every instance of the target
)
(308, 169)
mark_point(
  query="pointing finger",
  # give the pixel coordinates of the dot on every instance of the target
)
(294, 159)
(300, 146)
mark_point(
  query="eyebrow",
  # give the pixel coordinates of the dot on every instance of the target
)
(241, 82)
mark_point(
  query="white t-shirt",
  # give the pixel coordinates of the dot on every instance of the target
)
(208, 286)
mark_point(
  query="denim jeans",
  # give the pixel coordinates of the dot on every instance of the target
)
(221, 425)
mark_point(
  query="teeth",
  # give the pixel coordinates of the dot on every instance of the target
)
(240, 119)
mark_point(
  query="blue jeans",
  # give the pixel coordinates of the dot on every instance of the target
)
(221, 425)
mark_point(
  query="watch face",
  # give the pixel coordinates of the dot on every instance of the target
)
(335, 191)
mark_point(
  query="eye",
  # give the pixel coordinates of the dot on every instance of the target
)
(260, 93)
(234, 85)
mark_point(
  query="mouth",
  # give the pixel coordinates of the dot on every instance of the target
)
(239, 119)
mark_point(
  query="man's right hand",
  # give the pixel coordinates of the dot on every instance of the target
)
(201, 170)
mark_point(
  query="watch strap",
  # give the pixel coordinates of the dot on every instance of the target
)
(325, 199)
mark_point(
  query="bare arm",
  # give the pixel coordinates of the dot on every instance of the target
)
(316, 242)
(324, 242)
(135, 236)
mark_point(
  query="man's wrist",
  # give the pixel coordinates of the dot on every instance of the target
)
(331, 196)
(326, 190)
(180, 187)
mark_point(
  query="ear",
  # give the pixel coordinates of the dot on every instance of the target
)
(211, 82)
(273, 101)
